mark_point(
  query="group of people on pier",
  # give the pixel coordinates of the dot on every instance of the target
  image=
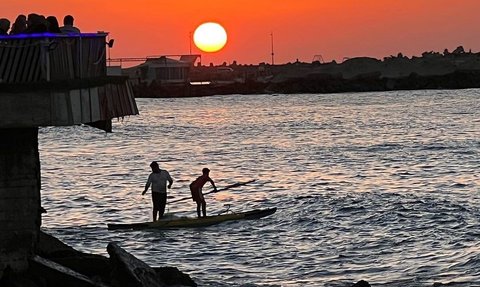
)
(35, 23)
(159, 178)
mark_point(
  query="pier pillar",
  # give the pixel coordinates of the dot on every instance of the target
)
(20, 216)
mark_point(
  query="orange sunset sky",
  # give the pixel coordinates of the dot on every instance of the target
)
(302, 29)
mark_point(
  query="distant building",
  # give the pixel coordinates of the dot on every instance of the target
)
(163, 70)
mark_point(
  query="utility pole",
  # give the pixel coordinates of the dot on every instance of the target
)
(108, 38)
(273, 61)
(190, 41)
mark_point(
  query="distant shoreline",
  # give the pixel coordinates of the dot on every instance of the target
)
(322, 84)
(456, 70)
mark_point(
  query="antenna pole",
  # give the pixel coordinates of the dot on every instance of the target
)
(190, 41)
(108, 39)
(273, 62)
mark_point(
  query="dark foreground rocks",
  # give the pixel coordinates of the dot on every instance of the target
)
(361, 283)
(56, 264)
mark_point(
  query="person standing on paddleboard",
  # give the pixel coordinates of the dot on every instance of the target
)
(158, 179)
(196, 190)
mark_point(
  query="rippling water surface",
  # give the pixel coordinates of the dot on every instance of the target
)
(383, 187)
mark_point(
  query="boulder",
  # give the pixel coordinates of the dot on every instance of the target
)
(129, 271)
(90, 265)
(174, 277)
(55, 274)
(361, 283)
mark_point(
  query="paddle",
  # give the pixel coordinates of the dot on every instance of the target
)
(218, 189)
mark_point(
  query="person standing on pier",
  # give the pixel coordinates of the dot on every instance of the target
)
(4, 26)
(20, 25)
(52, 25)
(68, 27)
(196, 190)
(158, 179)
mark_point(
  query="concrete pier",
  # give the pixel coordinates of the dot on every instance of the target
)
(46, 80)
(19, 196)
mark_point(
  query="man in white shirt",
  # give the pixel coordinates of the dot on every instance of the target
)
(158, 179)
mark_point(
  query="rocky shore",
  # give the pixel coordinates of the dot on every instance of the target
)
(57, 264)
(326, 83)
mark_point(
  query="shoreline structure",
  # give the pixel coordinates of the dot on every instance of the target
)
(60, 80)
(165, 77)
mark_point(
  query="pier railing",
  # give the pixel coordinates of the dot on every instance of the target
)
(50, 57)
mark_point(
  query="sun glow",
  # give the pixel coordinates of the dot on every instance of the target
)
(210, 37)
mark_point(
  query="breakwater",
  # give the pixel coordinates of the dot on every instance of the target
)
(456, 70)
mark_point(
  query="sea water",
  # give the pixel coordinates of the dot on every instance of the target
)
(381, 186)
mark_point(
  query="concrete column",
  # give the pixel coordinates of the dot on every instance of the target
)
(19, 197)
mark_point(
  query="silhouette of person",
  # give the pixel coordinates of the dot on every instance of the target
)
(4, 26)
(196, 190)
(36, 24)
(20, 25)
(68, 27)
(158, 179)
(52, 24)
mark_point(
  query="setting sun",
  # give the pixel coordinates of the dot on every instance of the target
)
(210, 37)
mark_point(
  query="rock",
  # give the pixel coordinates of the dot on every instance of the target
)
(12, 279)
(361, 283)
(57, 264)
(94, 266)
(49, 246)
(440, 284)
(174, 277)
(129, 271)
(57, 275)
(121, 269)
(87, 264)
